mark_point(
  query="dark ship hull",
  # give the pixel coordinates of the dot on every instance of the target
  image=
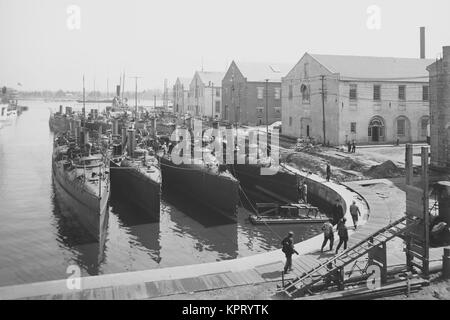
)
(89, 210)
(282, 187)
(137, 188)
(219, 192)
(58, 124)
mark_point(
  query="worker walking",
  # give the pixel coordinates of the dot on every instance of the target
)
(288, 249)
(328, 235)
(337, 212)
(354, 211)
(343, 234)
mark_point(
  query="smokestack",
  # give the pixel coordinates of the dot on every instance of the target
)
(60, 109)
(124, 137)
(131, 142)
(118, 90)
(422, 42)
(115, 127)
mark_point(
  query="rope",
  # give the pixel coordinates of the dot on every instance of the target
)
(256, 210)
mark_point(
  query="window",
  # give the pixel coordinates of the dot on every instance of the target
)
(277, 93)
(401, 123)
(305, 93)
(306, 70)
(260, 92)
(402, 93)
(277, 109)
(377, 92)
(217, 92)
(425, 93)
(290, 121)
(217, 106)
(424, 127)
(290, 92)
(353, 127)
(353, 92)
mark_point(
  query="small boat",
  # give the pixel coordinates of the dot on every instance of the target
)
(294, 213)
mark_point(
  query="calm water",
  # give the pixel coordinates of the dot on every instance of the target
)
(39, 240)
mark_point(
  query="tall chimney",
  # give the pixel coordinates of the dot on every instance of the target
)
(422, 42)
(131, 142)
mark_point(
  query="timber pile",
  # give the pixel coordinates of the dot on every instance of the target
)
(362, 292)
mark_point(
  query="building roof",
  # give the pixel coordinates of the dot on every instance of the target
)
(208, 77)
(185, 81)
(260, 71)
(376, 68)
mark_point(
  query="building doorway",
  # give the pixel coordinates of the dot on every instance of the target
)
(376, 130)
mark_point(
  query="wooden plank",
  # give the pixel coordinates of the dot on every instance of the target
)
(414, 201)
(193, 284)
(105, 293)
(234, 279)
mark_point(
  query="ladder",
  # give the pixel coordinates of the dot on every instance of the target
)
(335, 265)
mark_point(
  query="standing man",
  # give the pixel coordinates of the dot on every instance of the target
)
(289, 250)
(328, 234)
(338, 212)
(353, 146)
(305, 192)
(354, 211)
(343, 234)
(328, 172)
(349, 147)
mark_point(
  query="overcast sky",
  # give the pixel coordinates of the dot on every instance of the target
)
(42, 48)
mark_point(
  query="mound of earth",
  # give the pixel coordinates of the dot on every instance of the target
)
(387, 169)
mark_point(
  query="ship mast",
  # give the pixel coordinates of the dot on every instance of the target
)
(84, 101)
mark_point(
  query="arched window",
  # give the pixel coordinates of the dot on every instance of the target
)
(305, 93)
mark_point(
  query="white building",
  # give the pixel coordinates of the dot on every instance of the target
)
(206, 94)
(365, 99)
(181, 95)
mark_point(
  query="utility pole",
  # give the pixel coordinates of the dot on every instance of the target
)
(212, 99)
(267, 108)
(323, 111)
(84, 100)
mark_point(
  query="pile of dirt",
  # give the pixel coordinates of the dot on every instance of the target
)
(387, 169)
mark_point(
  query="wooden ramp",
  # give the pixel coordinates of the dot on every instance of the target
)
(333, 268)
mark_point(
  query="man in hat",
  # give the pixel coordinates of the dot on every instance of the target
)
(289, 250)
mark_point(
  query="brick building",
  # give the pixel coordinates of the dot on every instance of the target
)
(439, 73)
(371, 100)
(205, 94)
(248, 88)
(181, 95)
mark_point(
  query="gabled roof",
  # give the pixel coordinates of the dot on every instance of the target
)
(376, 68)
(260, 71)
(208, 77)
(184, 81)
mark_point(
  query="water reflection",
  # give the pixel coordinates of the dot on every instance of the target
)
(141, 229)
(211, 231)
